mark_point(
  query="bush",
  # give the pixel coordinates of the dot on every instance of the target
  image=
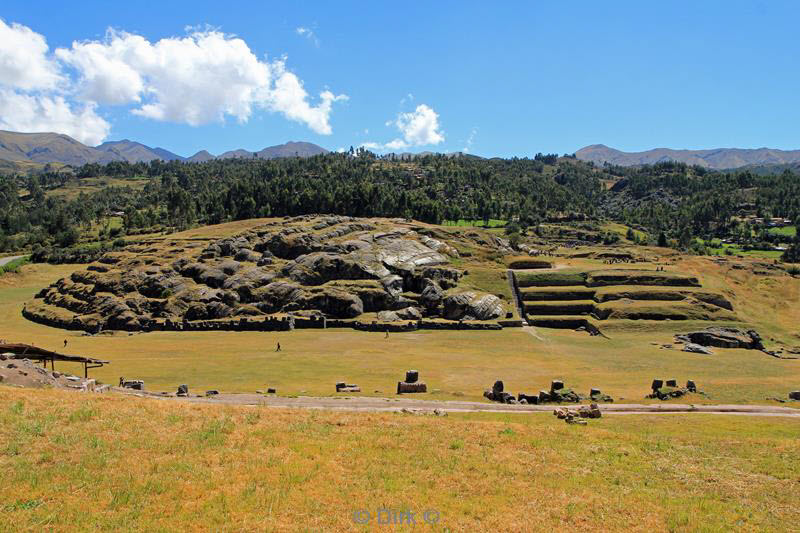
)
(14, 266)
(792, 254)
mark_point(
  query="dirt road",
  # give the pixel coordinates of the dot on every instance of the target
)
(5, 260)
(371, 404)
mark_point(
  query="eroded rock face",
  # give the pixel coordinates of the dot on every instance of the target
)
(472, 305)
(722, 337)
(326, 266)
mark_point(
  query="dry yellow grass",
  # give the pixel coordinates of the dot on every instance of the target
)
(76, 462)
(455, 364)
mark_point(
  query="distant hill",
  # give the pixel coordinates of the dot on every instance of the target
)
(135, 152)
(200, 157)
(290, 149)
(717, 159)
(21, 151)
(49, 148)
(235, 153)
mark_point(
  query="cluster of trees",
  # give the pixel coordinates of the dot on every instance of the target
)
(685, 202)
(30, 217)
(674, 202)
(792, 254)
(432, 188)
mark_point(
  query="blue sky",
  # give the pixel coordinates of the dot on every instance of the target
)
(510, 79)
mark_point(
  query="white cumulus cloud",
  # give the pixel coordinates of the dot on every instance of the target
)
(287, 95)
(417, 128)
(35, 113)
(24, 63)
(203, 77)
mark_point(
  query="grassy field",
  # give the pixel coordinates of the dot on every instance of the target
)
(76, 462)
(724, 249)
(788, 231)
(493, 223)
(455, 364)
(94, 184)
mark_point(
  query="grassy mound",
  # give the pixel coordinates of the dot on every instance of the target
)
(642, 293)
(558, 322)
(644, 310)
(526, 262)
(569, 293)
(575, 307)
(601, 278)
(549, 279)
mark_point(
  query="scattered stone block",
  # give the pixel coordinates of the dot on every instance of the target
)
(691, 386)
(544, 396)
(672, 383)
(135, 384)
(407, 388)
(412, 385)
(271, 390)
(346, 387)
(657, 384)
(183, 390)
(212, 392)
(597, 395)
(556, 385)
(564, 395)
(528, 399)
(794, 395)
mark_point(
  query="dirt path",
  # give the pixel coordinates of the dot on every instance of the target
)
(370, 404)
(532, 331)
(5, 260)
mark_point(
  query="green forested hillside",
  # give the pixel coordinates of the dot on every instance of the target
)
(680, 201)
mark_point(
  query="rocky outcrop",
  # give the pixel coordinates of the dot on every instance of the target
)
(409, 313)
(721, 337)
(471, 305)
(335, 267)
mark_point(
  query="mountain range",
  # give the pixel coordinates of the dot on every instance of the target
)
(717, 159)
(24, 149)
(31, 150)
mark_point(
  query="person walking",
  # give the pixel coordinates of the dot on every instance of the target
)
(278, 349)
